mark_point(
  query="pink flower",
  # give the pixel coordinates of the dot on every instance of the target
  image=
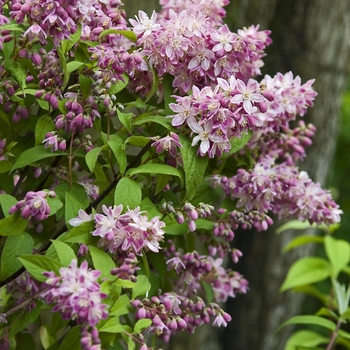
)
(168, 144)
(143, 24)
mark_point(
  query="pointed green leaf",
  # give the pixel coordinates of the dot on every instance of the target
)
(119, 85)
(142, 286)
(155, 169)
(309, 319)
(17, 71)
(71, 341)
(6, 202)
(119, 153)
(302, 240)
(85, 85)
(194, 166)
(129, 34)
(91, 158)
(112, 326)
(64, 251)
(34, 154)
(102, 261)
(294, 225)
(128, 193)
(125, 119)
(142, 324)
(166, 122)
(43, 126)
(338, 252)
(306, 271)
(81, 233)
(37, 264)
(121, 307)
(14, 246)
(74, 65)
(12, 225)
(305, 338)
(72, 206)
(238, 143)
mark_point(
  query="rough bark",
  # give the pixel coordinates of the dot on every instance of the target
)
(310, 39)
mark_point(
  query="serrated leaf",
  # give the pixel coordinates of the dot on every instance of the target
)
(74, 65)
(142, 286)
(102, 261)
(34, 154)
(13, 247)
(112, 326)
(140, 141)
(121, 307)
(12, 225)
(194, 168)
(16, 70)
(55, 204)
(85, 85)
(44, 125)
(128, 193)
(37, 264)
(338, 252)
(142, 324)
(119, 153)
(125, 119)
(119, 85)
(72, 206)
(91, 158)
(306, 271)
(73, 39)
(310, 319)
(155, 169)
(302, 240)
(238, 143)
(80, 234)
(64, 251)
(6, 202)
(166, 122)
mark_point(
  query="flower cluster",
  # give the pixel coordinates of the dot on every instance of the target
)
(194, 46)
(129, 232)
(34, 205)
(281, 189)
(193, 268)
(76, 294)
(171, 313)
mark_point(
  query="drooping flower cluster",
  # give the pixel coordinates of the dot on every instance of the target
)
(34, 205)
(171, 313)
(76, 294)
(282, 190)
(194, 46)
(130, 232)
(192, 269)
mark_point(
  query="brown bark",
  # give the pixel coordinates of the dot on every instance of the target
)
(310, 39)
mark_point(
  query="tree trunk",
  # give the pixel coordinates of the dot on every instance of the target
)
(311, 40)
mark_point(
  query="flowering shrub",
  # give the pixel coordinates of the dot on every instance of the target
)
(130, 153)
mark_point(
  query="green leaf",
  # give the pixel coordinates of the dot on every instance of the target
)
(6, 202)
(91, 158)
(151, 209)
(17, 70)
(162, 181)
(37, 264)
(166, 122)
(238, 143)
(102, 261)
(312, 290)
(167, 83)
(327, 313)
(46, 337)
(43, 126)
(64, 67)
(302, 240)
(64, 251)
(338, 252)
(5, 166)
(343, 296)
(55, 204)
(142, 324)
(85, 85)
(34, 154)
(140, 141)
(121, 307)
(126, 33)
(74, 65)
(112, 326)
(13, 247)
(14, 27)
(12, 225)
(72, 206)
(128, 193)
(73, 39)
(119, 153)
(205, 224)
(71, 341)
(305, 338)
(309, 319)
(80, 234)
(123, 283)
(194, 167)
(155, 84)
(8, 48)
(125, 119)
(176, 229)
(142, 286)
(306, 271)
(155, 169)
(294, 225)
(119, 85)
(131, 344)
(208, 291)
